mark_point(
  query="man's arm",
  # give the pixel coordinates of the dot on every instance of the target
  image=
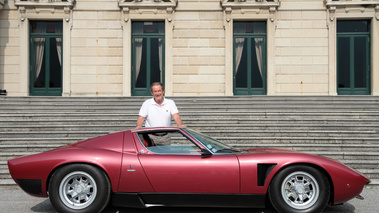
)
(140, 121)
(178, 120)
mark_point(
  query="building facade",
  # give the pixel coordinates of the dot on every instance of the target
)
(195, 47)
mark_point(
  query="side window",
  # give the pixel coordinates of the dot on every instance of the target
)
(166, 142)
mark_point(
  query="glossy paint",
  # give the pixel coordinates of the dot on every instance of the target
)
(105, 152)
(346, 183)
(131, 168)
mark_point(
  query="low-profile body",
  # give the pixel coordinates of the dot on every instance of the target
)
(129, 169)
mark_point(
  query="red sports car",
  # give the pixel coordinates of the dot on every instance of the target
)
(181, 167)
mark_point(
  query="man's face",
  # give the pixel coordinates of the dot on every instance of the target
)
(157, 92)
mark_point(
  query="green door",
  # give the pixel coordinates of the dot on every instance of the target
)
(353, 57)
(249, 42)
(147, 56)
(45, 58)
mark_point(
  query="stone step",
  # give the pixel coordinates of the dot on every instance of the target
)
(243, 120)
(246, 139)
(306, 100)
(347, 155)
(194, 108)
(28, 148)
(45, 129)
(362, 164)
(233, 141)
(7, 182)
(370, 173)
(4, 174)
(363, 148)
(249, 107)
(298, 133)
(299, 115)
(296, 140)
(227, 131)
(61, 134)
(7, 156)
(4, 165)
(341, 127)
(226, 128)
(266, 100)
(38, 140)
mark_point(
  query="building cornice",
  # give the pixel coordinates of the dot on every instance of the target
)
(45, 3)
(29, 8)
(250, 3)
(244, 7)
(135, 4)
(351, 6)
(137, 9)
(337, 3)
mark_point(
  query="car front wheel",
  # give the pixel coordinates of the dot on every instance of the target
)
(299, 189)
(79, 188)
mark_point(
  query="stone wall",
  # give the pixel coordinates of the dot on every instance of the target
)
(199, 44)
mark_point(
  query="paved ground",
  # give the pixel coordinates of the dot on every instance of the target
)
(13, 199)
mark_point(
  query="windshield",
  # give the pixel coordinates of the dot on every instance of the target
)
(212, 144)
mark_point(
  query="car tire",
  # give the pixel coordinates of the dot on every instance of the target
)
(299, 189)
(79, 188)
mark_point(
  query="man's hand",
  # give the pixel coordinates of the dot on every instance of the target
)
(178, 120)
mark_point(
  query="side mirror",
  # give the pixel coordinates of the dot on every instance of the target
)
(205, 153)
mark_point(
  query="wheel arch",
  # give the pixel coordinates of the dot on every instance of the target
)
(76, 163)
(319, 168)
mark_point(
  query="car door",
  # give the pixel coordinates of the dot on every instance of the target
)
(179, 167)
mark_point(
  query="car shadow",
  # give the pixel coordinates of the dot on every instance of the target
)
(345, 208)
(46, 207)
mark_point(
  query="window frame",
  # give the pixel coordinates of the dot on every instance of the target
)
(155, 148)
(352, 90)
(250, 89)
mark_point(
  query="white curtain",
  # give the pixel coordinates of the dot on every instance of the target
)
(259, 28)
(58, 29)
(161, 31)
(39, 48)
(138, 48)
(240, 42)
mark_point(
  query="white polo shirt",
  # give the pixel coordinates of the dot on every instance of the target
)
(158, 116)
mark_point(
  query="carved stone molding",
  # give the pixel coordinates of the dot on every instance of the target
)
(345, 3)
(351, 6)
(250, 3)
(147, 3)
(45, 7)
(250, 7)
(153, 8)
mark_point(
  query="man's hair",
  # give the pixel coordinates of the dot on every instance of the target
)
(156, 84)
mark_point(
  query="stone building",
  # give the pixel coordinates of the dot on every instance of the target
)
(195, 47)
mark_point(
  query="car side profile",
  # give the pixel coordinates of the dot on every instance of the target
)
(180, 167)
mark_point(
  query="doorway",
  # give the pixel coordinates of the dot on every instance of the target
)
(353, 57)
(46, 58)
(249, 42)
(147, 56)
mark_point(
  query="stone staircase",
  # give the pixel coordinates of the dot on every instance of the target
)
(341, 127)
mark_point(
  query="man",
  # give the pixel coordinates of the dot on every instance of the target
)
(158, 111)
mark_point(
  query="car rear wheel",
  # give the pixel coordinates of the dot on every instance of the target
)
(299, 189)
(79, 188)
